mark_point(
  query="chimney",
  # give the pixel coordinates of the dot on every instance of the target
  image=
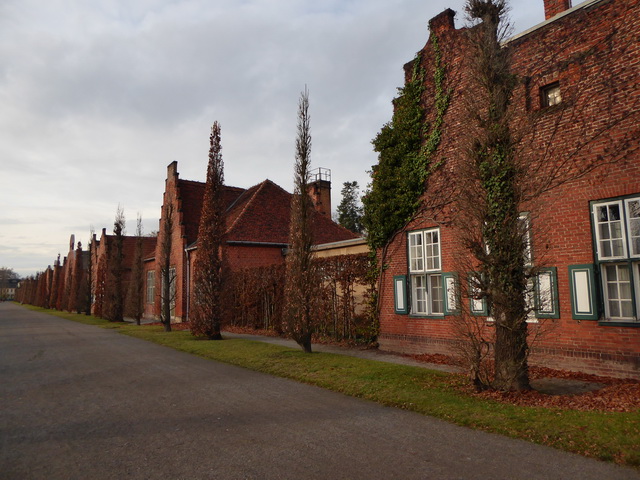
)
(443, 22)
(172, 171)
(319, 190)
(554, 7)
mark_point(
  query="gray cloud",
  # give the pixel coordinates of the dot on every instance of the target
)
(96, 98)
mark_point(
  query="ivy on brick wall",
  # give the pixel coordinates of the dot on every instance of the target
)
(405, 146)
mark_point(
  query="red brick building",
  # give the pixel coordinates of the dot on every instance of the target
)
(257, 221)
(575, 109)
(102, 252)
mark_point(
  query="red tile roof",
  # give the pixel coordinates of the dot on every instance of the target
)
(191, 194)
(259, 214)
(262, 214)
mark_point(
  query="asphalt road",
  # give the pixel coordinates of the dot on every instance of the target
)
(81, 402)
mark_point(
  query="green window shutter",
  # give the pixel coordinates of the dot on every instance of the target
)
(478, 306)
(546, 293)
(584, 305)
(451, 293)
(400, 304)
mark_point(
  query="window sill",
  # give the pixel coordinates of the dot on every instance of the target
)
(424, 315)
(610, 323)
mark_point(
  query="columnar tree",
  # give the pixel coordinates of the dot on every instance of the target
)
(349, 212)
(41, 299)
(207, 311)
(77, 282)
(66, 287)
(300, 278)
(167, 274)
(115, 282)
(135, 295)
(55, 284)
(89, 284)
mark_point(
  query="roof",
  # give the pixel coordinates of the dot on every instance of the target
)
(191, 194)
(129, 247)
(262, 214)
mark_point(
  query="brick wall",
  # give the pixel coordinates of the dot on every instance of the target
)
(593, 54)
(554, 7)
(172, 197)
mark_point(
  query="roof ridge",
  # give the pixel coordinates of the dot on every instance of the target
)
(191, 181)
(277, 186)
(259, 186)
(238, 198)
(204, 183)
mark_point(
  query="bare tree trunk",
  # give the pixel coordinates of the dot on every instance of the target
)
(165, 268)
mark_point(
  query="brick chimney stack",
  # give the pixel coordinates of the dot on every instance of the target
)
(443, 22)
(172, 171)
(320, 191)
(554, 7)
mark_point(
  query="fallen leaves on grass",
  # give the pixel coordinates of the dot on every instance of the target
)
(617, 395)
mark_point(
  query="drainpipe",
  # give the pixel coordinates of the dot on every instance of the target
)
(186, 251)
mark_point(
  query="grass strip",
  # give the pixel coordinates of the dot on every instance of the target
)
(606, 436)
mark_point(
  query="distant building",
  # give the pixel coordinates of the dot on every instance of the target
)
(257, 221)
(8, 289)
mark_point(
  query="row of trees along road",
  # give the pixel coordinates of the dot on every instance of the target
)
(494, 241)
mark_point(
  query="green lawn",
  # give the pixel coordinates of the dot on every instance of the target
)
(606, 436)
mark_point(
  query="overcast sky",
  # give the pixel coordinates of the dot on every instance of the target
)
(98, 97)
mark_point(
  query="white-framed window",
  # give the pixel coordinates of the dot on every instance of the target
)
(524, 222)
(151, 286)
(427, 293)
(610, 234)
(632, 208)
(616, 225)
(550, 94)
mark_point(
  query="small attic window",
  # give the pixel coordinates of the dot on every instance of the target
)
(550, 95)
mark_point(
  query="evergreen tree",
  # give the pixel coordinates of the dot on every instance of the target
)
(349, 212)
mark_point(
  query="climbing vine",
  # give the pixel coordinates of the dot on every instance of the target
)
(406, 146)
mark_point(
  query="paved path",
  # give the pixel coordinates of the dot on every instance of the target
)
(552, 386)
(80, 402)
(368, 353)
